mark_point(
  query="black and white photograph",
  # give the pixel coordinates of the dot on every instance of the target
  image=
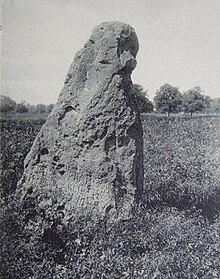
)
(110, 139)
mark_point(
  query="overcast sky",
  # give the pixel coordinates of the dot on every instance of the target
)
(179, 43)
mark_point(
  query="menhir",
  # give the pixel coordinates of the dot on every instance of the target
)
(88, 157)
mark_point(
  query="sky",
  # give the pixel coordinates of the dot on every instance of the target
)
(179, 43)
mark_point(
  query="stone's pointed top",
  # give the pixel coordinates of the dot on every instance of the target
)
(123, 32)
(116, 25)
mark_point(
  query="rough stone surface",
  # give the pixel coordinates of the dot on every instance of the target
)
(88, 156)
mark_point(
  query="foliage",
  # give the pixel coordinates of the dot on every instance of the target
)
(168, 99)
(6, 104)
(50, 107)
(10, 107)
(194, 101)
(21, 108)
(215, 105)
(16, 140)
(41, 108)
(144, 104)
(174, 232)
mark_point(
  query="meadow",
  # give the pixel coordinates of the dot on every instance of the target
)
(174, 231)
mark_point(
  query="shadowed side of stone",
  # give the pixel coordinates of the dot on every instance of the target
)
(88, 157)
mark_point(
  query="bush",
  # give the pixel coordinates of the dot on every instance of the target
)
(7, 104)
(21, 108)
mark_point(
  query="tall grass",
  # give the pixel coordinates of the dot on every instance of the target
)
(174, 231)
(17, 136)
(182, 162)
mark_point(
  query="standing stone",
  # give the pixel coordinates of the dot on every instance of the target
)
(88, 157)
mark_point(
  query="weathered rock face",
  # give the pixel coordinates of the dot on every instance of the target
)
(88, 156)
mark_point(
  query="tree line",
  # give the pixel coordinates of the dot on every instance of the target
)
(168, 99)
(8, 105)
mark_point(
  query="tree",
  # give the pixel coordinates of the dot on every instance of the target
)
(22, 108)
(143, 103)
(7, 104)
(215, 105)
(168, 99)
(50, 107)
(41, 108)
(207, 100)
(194, 101)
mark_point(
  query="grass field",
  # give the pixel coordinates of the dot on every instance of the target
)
(174, 232)
(182, 162)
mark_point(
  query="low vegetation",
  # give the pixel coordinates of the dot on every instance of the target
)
(9, 107)
(182, 162)
(16, 140)
(174, 232)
